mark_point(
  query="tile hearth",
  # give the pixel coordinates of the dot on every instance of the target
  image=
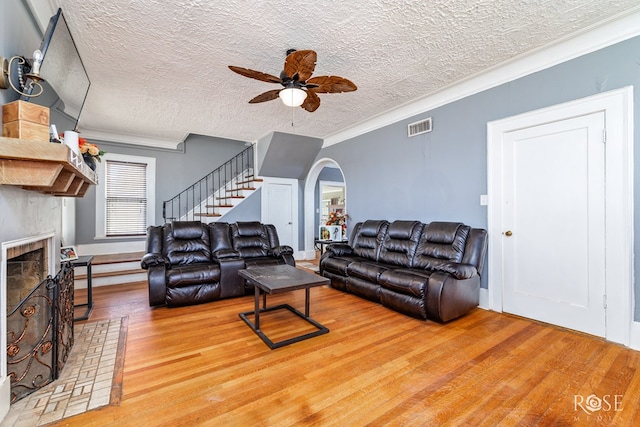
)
(86, 382)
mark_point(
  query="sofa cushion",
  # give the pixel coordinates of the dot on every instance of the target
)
(363, 288)
(441, 242)
(405, 281)
(196, 294)
(366, 270)
(186, 230)
(250, 239)
(402, 303)
(366, 243)
(186, 243)
(400, 243)
(338, 265)
(185, 275)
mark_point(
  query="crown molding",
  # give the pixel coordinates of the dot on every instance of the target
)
(605, 34)
(41, 12)
(166, 144)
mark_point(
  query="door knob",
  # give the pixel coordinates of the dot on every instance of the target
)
(508, 233)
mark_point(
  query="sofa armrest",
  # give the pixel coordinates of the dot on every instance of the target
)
(278, 251)
(157, 285)
(226, 254)
(457, 270)
(152, 259)
(231, 283)
(339, 249)
(449, 298)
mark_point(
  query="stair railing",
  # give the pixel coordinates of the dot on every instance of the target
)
(203, 199)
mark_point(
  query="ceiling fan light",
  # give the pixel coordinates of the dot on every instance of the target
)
(292, 96)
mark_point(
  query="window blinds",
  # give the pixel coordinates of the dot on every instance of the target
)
(126, 194)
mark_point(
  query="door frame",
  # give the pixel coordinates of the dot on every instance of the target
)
(309, 202)
(618, 108)
(267, 181)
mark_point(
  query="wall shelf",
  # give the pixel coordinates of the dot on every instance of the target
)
(44, 167)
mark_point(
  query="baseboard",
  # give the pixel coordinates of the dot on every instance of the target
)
(634, 339)
(484, 299)
(303, 255)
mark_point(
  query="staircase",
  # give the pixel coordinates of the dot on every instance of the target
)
(207, 200)
(213, 196)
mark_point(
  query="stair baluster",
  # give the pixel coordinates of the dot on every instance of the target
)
(206, 197)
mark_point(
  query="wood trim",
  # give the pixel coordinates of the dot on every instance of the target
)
(44, 167)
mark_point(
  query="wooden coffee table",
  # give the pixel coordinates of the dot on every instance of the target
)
(276, 279)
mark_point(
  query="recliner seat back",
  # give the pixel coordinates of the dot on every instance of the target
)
(252, 239)
(441, 242)
(186, 242)
(370, 234)
(400, 242)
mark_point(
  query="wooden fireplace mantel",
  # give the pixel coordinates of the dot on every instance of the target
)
(44, 167)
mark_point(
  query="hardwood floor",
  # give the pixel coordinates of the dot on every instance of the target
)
(202, 365)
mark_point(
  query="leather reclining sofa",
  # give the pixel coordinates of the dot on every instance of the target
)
(428, 271)
(189, 262)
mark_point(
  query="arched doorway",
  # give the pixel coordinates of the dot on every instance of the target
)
(310, 202)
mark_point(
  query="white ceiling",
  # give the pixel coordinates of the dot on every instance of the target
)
(158, 68)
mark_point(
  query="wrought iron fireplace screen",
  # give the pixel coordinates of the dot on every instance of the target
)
(40, 334)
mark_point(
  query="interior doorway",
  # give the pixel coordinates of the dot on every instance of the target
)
(332, 198)
(550, 172)
(323, 170)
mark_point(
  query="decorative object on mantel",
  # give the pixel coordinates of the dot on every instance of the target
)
(25, 120)
(89, 151)
(71, 140)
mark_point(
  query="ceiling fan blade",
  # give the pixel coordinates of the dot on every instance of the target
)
(312, 102)
(331, 84)
(302, 62)
(255, 74)
(266, 96)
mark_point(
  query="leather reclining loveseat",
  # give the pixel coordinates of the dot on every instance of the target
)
(189, 262)
(429, 271)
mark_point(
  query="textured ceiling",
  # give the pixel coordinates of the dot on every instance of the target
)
(158, 68)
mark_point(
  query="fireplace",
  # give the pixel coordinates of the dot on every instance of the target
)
(27, 266)
(39, 314)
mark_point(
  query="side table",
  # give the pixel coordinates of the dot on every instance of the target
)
(85, 261)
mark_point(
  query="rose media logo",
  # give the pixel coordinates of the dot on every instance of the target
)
(592, 404)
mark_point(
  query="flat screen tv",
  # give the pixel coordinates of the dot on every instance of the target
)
(66, 81)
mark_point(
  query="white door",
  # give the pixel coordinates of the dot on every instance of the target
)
(554, 223)
(279, 211)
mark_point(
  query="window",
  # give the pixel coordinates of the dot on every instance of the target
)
(126, 198)
(127, 188)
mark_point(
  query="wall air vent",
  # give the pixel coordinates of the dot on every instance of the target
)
(418, 128)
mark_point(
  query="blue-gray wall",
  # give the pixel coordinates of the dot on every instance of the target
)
(441, 175)
(175, 171)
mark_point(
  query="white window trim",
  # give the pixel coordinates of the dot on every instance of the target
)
(101, 196)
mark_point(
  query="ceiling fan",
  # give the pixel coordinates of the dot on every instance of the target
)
(300, 89)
